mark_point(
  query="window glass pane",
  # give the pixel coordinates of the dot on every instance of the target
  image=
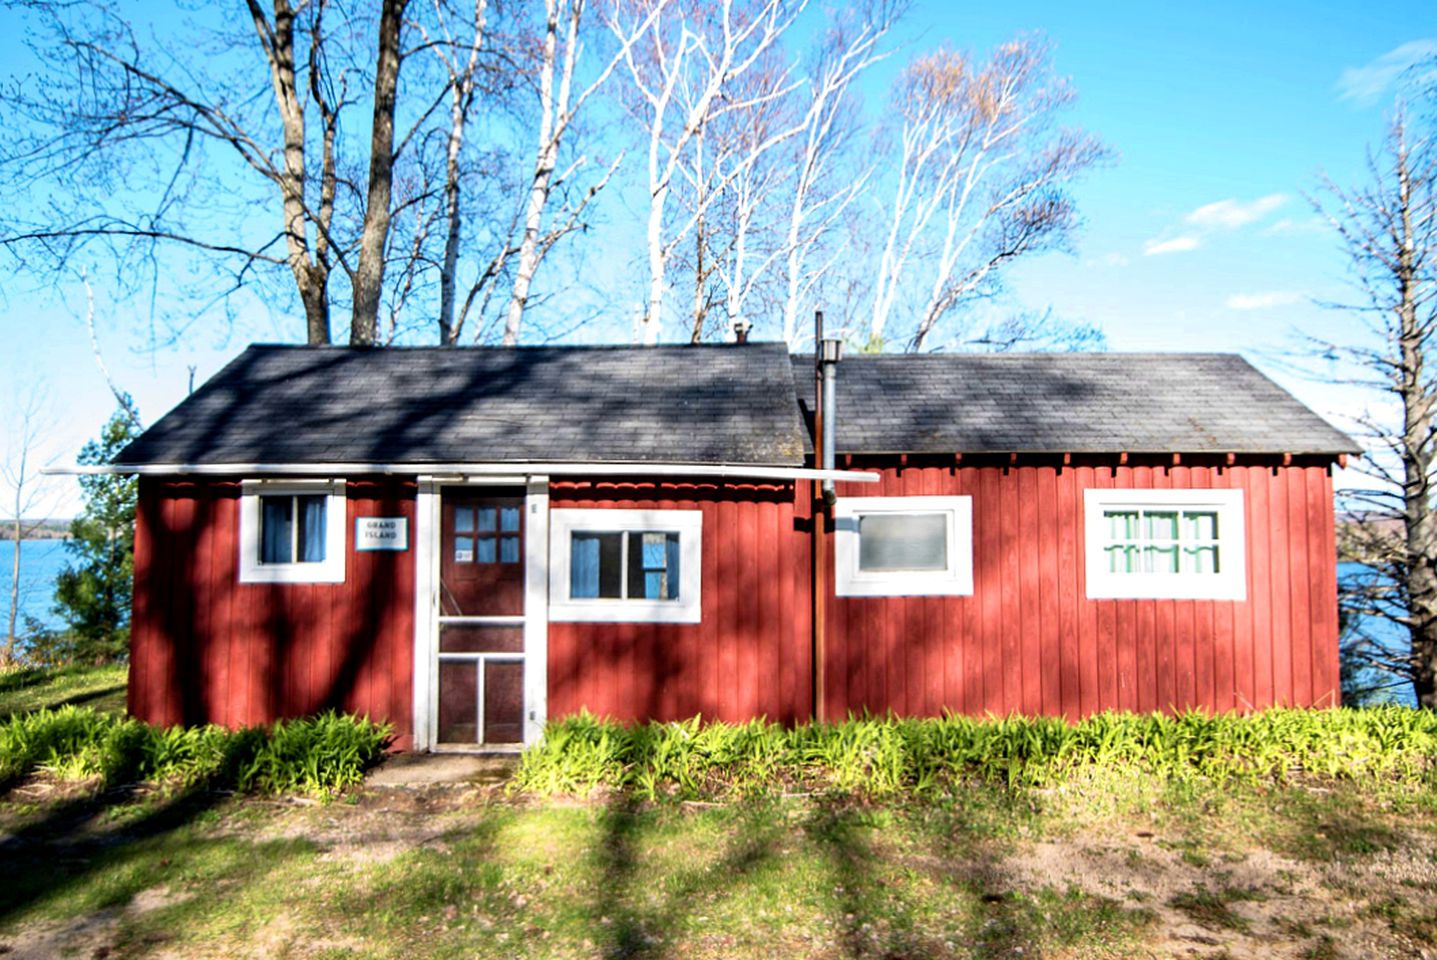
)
(311, 527)
(488, 550)
(653, 566)
(463, 519)
(903, 541)
(486, 518)
(1201, 559)
(276, 543)
(463, 549)
(1200, 525)
(1162, 525)
(508, 549)
(1162, 559)
(509, 519)
(595, 565)
(1122, 524)
(1123, 559)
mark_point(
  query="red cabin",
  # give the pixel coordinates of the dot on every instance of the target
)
(468, 542)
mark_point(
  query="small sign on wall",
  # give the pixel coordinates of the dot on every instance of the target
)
(381, 533)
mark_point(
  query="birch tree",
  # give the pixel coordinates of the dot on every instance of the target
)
(677, 74)
(980, 179)
(820, 194)
(27, 498)
(1387, 228)
(558, 108)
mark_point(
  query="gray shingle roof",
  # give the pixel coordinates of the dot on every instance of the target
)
(715, 404)
(1067, 402)
(273, 404)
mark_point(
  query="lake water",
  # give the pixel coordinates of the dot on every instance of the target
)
(40, 563)
(1392, 637)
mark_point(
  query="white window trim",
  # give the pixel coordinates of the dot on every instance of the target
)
(688, 524)
(330, 570)
(955, 581)
(1230, 583)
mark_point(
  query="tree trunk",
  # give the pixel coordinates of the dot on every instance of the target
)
(312, 279)
(546, 156)
(1419, 519)
(7, 654)
(369, 274)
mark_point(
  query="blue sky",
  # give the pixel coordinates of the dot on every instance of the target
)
(1197, 238)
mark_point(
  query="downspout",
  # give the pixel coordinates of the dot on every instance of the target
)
(826, 357)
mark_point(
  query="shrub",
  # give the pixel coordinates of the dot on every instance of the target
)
(880, 757)
(316, 755)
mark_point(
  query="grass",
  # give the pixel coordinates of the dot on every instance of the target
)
(100, 688)
(436, 873)
(860, 840)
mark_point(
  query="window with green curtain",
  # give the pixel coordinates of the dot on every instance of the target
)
(1161, 540)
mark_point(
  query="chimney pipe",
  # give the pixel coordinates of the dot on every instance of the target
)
(830, 351)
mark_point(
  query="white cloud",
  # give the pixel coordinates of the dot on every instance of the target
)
(1263, 301)
(1113, 259)
(1155, 248)
(1288, 225)
(1230, 214)
(1366, 84)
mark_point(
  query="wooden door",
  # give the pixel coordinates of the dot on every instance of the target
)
(481, 617)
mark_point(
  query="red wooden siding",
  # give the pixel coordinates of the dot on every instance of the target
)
(208, 649)
(749, 656)
(1030, 641)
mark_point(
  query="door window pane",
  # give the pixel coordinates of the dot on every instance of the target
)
(508, 549)
(486, 552)
(903, 541)
(485, 518)
(509, 519)
(463, 519)
(463, 549)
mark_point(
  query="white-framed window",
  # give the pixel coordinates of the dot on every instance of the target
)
(903, 546)
(292, 531)
(625, 566)
(1167, 544)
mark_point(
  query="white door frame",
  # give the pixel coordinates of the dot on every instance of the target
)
(427, 529)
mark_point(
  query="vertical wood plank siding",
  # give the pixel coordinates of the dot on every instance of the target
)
(1030, 641)
(749, 655)
(207, 649)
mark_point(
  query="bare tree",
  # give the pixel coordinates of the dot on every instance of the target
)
(558, 108)
(28, 498)
(678, 75)
(185, 130)
(980, 178)
(1388, 231)
(820, 195)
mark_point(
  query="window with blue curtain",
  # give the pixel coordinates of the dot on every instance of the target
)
(276, 541)
(293, 528)
(311, 510)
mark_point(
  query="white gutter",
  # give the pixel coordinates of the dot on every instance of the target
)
(718, 471)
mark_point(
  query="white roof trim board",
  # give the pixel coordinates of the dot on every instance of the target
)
(705, 470)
